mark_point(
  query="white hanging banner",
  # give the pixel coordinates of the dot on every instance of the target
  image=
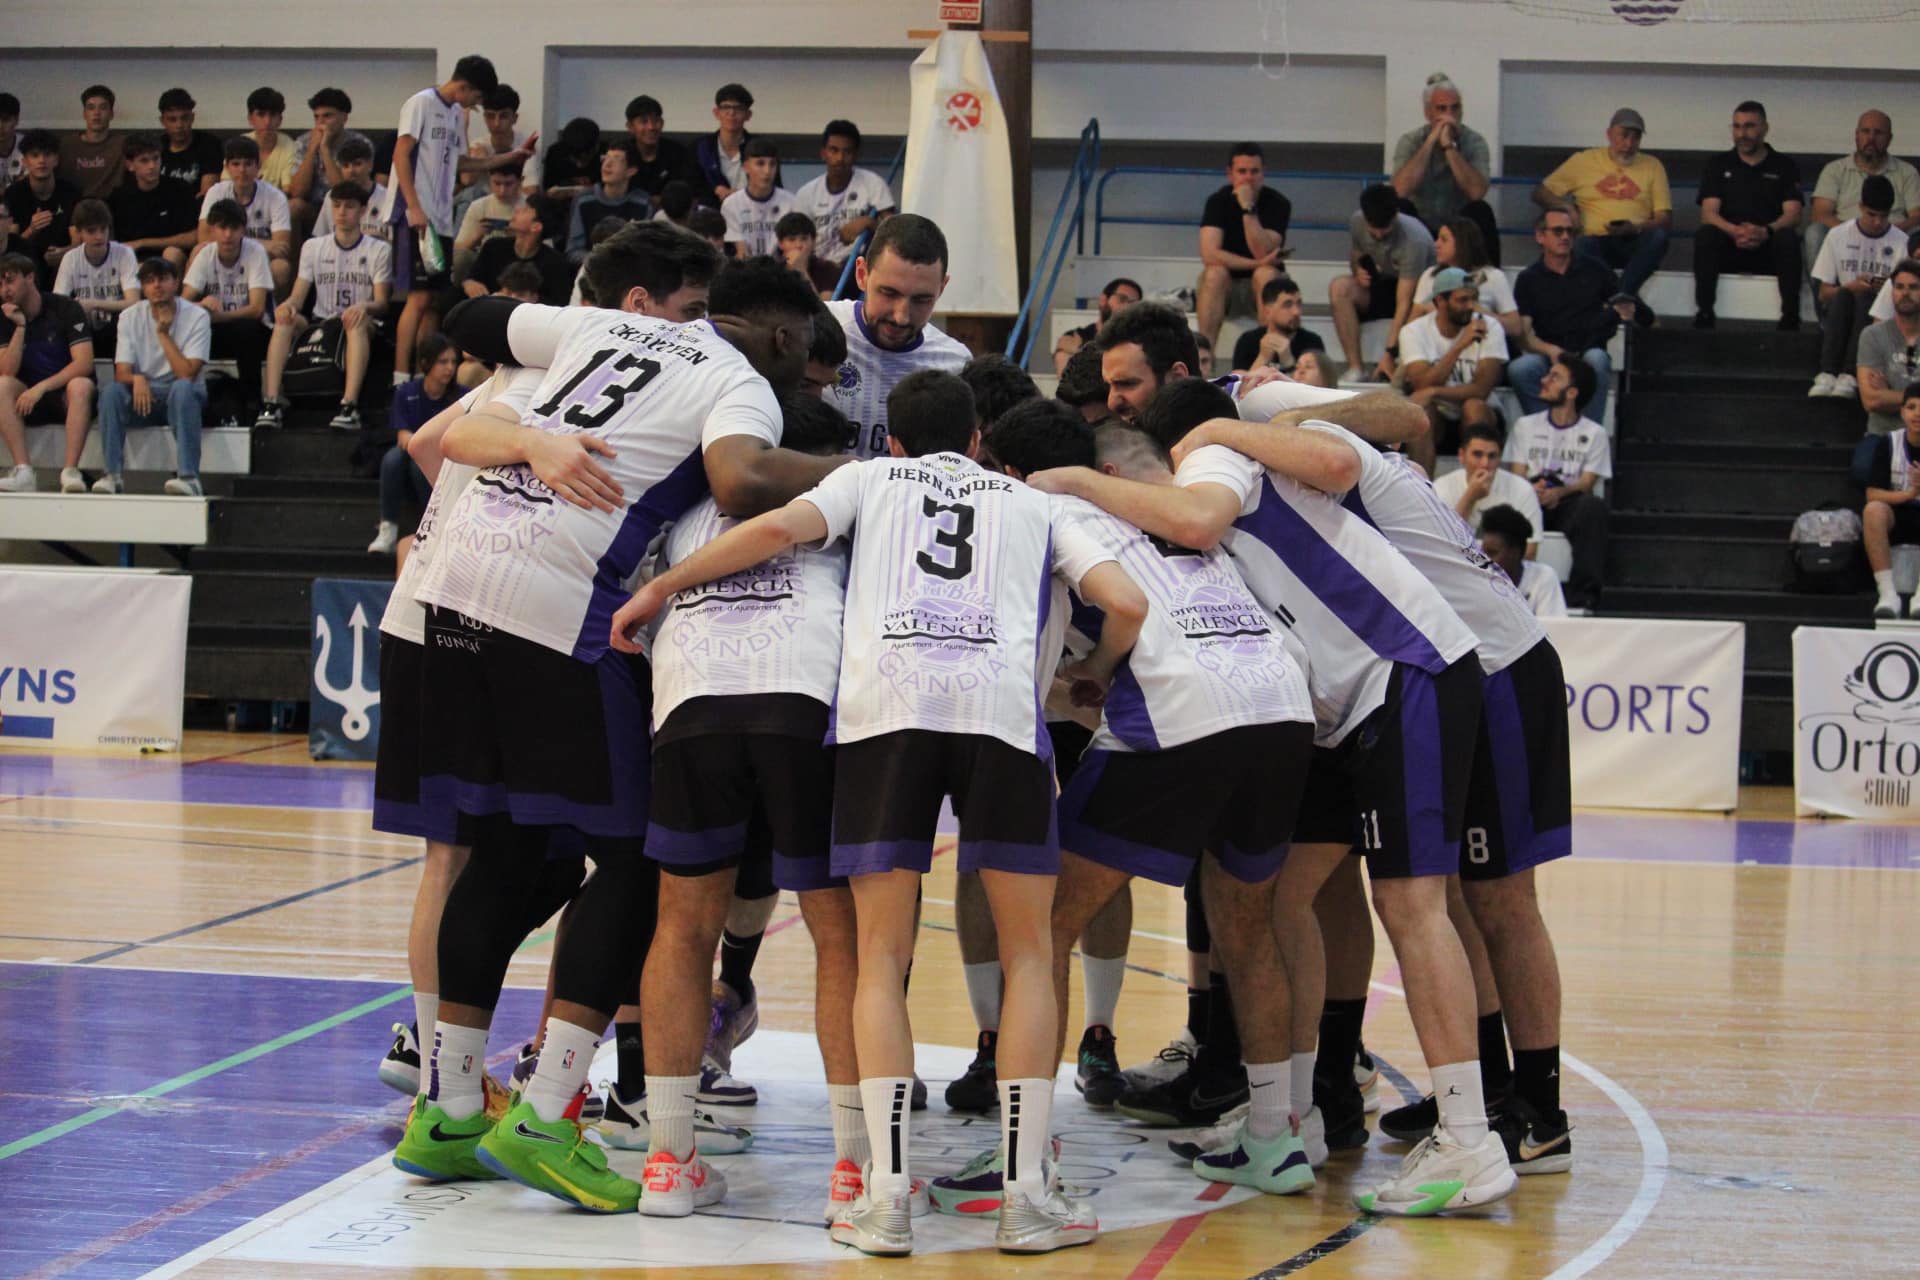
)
(1653, 710)
(960, 173)
(1856, 722)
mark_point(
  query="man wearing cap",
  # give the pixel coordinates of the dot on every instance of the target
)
(1619, 195)
(721, 155)
(157, 363)
(1836, 196)
(1749, 218)
(1855, 260)
(1452, 360)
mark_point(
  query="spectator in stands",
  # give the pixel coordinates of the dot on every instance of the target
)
(1281, 339)
(1505, 534)
(1243, 240)
(797, 241)
(753, 211)
(675, 203)
(845, 202)
(1890, 352)
(233, 283)
(156, 216)
(12, 162)
(1564, 454)
(99, 273)
(1452, 359)
(525, 241)
(721, 155)
(486, 217)
(658, 160)
(709, 225)
(46, 372)
(1856, 258)
(572, 164)
(41, 203)
(1119, 294)
(94, 159)
(1314, 368)
(1204, 345)
(269, 218)
(1458, 243)
(1620, 195)
(1480, 482)
(1081, 386)
(1566, 304)
(522, 282)
(266, 109)
(403, 487)
(192, 155)
(1836, 194)
(500, 120)
(614, 195)
(1750, 205)
(1883, 301)
(1442, 167)
(316, 159)
(355, 162)
(157, 363)
(1389, 251)
(349, 278)
(1891, 515)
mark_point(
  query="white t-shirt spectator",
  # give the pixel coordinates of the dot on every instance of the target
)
(439, 131)
(1882, 308)
(375, 221)
(750, 222)
(344, 275)
(139, 342)
(1422, 341)
(84, 280)
(231, 282)
(1848, 252)
(1508, 490)
(866, 193)
(1540, 585)
(1496, 291)
(1546, 449)
(267, 209)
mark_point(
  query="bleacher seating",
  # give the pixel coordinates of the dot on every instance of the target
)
(126, 518)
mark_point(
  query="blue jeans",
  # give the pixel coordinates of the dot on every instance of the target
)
(1528, 371)
(402, 484)
(176, 404)
(1635, 257)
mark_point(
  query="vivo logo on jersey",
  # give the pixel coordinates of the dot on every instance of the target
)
(38, 685)
(1641, 708)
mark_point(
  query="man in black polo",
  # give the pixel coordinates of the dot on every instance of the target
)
(1566, 304)
(1243, 239)
(1750, 203)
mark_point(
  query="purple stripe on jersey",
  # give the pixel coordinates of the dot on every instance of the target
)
(860, 322)
(695, 848)
(1353, 503)
(1338, 583)
(1429, 852)
(883, 855)
(665, 499)
(1126, 710)
(1043, 663)
(1005, 855)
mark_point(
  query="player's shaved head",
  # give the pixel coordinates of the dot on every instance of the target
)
(1125, 450)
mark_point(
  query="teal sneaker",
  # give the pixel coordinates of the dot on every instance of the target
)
(442, 1150)
(559, 1159)
(1277, 1166)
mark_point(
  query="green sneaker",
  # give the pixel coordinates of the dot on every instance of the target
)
(559, 1159)
(1277, 1166)
(440, 1149)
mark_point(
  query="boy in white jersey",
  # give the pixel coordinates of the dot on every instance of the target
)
(268, 217)
(100, 274)
(349, 277)
(939, 695)
(889, 328)
(755, 210)
(355, 160)
(233, 282)
(846, 201)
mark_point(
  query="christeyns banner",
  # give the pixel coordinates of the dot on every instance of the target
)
(343, 721)
(1856, 718)
(960, 173)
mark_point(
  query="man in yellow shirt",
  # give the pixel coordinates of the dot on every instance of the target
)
(1619, 195)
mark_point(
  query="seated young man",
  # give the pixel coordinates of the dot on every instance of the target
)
(1281, 338)
(153, 213)
(1564, 455)
(525, 242)
(233, 281)
(349, 277)
(355, 161)
(1891, 515)
(950, 568)
(797, 241)
(269, 218)
(99, 273)
(161, 349)
(1506, 535)
(404, 487)
(755, 209)
(46, 372)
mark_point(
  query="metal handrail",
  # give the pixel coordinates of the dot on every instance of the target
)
(1086, 161)
(860, 245)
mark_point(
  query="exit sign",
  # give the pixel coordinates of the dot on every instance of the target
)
(961, 12)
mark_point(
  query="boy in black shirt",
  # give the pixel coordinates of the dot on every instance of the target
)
(155, 215)
(41, 204)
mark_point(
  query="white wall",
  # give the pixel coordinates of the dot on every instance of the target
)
(794, 90)
(1207, 97)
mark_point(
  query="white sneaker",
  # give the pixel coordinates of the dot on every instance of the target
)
(347, 418)
(1054, 1221)
(623, 1125)
(19, 480)
(1168, 1063)
(674, 1188)
(1366, 1076)
(1823, 385)
(845, 1184)
(385, 540)
(71, 481)
(109, 484)
(400, 1069)
(1887, 607)
(1845, 387)
(1313, 1136)
(184, 487)
(1440, 1174)
(881, 1227)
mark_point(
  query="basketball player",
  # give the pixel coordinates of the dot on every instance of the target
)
(939, 696)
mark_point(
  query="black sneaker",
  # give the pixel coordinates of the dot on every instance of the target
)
(1343, 1107)
(1703, 318)
(1535, 1143)
(1416, 1120)
(978, 1088)
(1196, 1097)
(1098, 1078)
(400, 1069)
(918, 1099)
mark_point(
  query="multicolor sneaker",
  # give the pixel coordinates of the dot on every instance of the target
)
(1217, 1137)
(441, 1149)
(882, 1227)
(1535, 1143)
(1441, 1174)
(1189, 1100)
(1165, 1065)
(499, 1097)
(978, 1087)
(400, 1069)
(719, 1089)
(1040, 1226)
(976, 1189)
(729, 1024)
(558, 1158)
(674, 1188)
(623, 1126)
(846, 1183)
(1277, 1166)
(523, 1070)
(1098, 1076)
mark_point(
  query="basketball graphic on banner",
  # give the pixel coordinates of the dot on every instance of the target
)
(963, 112)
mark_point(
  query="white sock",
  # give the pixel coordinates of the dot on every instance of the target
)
(565, 1056)
(1883, 583)
(1463, 1112)
(1303, 1080)
(426, 1012)
(670, 1114)
(1026, 1111)
(983, 993)
(459, 1064)
(1103, 977)
(1269, 1086)
(849, 1125)
(885, 1100)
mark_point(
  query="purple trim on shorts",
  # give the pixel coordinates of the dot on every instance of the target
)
(1338, 583)
(667, 498)
(1004, 855)
(1126, 710)
(1513, 779)
(534, 810)
(1116, 852)
(398, 818)
(882, 855)
(695, 848)
(626, 700)
(804, 875)
(1249, 866)
(1429, 852)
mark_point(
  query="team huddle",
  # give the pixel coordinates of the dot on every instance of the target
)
(668, 614)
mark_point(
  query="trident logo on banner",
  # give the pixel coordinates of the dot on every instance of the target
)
(356, 698)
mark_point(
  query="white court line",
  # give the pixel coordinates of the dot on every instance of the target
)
(1653, 1164)
(398, 843)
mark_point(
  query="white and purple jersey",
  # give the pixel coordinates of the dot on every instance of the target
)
(344, 275)
(870, 373)
(84, 280)
(267, 209)
(233, 283)
(750, 222)
(949, 598)
(773, 628)
(1208, 659)
(865, 194)
(439, 132)
(519, 557)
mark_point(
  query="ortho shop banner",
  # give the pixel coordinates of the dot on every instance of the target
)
(1653, 708)
(1856, 716)
(92, 658)
(960, 172)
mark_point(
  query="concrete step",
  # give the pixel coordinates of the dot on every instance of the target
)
(1662, 560)
(302, 522)
(1724, 414)
(1729, 489)
(253, 598)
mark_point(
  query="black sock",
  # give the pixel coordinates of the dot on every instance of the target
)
(1339, 1039)
(1220, 1047)
(1495, 1076)
(632, 1054)
(1536, 1078)
(1199, 1001)
(736, 961)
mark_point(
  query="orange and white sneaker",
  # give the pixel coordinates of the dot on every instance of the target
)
(673, 1188)
(845, 1185)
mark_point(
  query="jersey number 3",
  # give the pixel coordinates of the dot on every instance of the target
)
(613, 394)
(954, 540)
